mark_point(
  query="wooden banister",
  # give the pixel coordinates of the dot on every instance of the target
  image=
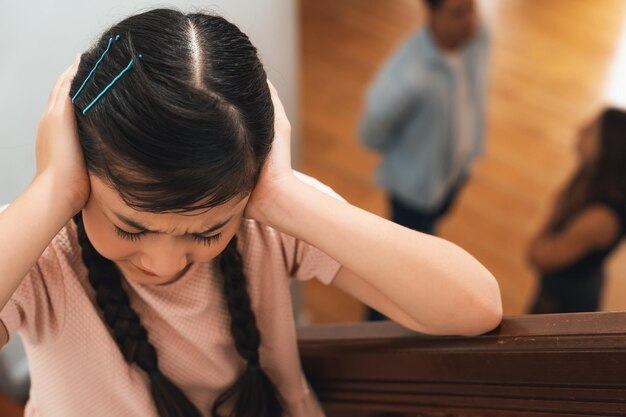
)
(550, 365)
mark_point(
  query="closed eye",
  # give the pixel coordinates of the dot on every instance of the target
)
(207, 240)
(128, 235)
(133, 237)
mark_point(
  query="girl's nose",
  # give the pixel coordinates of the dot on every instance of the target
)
(165, 258)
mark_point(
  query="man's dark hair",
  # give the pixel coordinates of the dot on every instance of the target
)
(433, 4)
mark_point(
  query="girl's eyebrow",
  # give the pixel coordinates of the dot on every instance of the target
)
(139, 226)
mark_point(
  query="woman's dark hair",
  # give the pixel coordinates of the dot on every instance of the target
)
(604, 178)
(188, 127)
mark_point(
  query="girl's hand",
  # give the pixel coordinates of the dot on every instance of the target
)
(276, 172)
(57, 149)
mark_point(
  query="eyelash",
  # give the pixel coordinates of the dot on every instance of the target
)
(133, 237)
(207, 240)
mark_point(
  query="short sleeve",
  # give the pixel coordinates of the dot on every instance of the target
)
(305, 261)
(32, 309)
(27, 307)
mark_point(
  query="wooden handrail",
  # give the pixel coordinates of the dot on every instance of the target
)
(544, 365)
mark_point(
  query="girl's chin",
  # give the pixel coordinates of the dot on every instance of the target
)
(140, 276)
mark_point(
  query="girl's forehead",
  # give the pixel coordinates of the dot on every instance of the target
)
(111, 203)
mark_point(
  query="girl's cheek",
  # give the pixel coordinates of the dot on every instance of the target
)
(114, 248)
(207, 253)
(203, 253)
(102, 235)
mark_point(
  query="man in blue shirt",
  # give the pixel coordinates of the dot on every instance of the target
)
(425, 114)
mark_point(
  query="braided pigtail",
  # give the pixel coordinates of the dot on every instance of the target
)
(127, 331)
(253, 392)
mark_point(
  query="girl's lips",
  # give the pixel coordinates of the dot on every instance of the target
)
(152, 274)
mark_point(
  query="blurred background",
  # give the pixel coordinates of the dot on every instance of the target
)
(553, 65)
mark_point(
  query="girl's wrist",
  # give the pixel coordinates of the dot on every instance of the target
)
(57, 197)
(280, 204)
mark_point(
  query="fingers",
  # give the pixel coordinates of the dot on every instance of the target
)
(62, 84)
(279, 109)
(66, 84)
(278, 105)
(281, 147)
(55, 90)
(272, 88)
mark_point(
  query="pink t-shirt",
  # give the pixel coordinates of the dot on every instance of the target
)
(77, 369)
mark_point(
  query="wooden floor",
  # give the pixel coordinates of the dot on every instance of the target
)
(9, 407)
(550, 64)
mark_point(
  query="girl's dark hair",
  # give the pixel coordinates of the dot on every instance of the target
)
(188, 127)
(603, 179)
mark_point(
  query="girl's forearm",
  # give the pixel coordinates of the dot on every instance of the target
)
(432, 280)
(26, 228)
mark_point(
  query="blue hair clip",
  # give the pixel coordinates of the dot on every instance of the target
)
(129, 66)
(117, 37)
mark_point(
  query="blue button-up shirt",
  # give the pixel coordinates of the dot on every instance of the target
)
(411, 119)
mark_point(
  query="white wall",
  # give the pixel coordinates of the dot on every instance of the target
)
(40, 38)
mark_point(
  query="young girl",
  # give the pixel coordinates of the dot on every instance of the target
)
(147, 265)
(588, 222)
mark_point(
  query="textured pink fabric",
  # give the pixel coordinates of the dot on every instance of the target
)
(77, 370)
